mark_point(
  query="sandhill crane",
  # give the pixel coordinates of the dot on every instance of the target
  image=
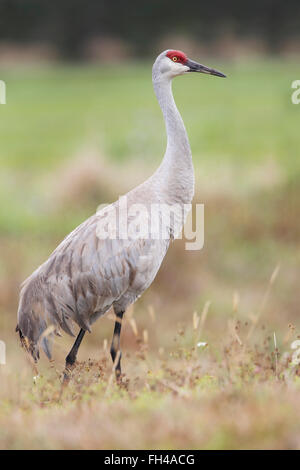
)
(88, 274)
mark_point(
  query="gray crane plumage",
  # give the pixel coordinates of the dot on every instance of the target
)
(86, 275)
(83, 278)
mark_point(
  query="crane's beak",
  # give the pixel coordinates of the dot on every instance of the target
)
(195, 67)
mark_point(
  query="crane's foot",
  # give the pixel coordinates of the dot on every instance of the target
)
(122, 382)
(66, 377)
(68, 371)
(119, 376)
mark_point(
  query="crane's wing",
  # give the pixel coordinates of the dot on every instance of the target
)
(92, 268)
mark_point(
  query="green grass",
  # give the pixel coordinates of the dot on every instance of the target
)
(243, 118)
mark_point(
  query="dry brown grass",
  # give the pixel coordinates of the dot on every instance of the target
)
(234, 394)
(240, 391)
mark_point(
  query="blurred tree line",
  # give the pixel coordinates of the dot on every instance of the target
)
(68, 24)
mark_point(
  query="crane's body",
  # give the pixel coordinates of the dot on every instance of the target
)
(87, 274)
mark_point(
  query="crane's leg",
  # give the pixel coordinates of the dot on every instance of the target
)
(71, 357)
(115, 350)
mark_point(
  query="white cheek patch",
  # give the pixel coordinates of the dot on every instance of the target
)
(177, 68)
(171, 68)
(185, 68)
(165, 68)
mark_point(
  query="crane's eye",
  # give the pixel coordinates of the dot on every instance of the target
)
(174, 59)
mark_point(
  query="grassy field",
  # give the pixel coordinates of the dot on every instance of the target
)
(73, 137)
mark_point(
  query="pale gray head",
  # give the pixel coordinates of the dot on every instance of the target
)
(171, 63)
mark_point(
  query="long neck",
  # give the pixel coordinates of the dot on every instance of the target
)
(178, 141)
(176, 169)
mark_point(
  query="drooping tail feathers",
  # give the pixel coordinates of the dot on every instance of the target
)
(37, 322)
(32, 327)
